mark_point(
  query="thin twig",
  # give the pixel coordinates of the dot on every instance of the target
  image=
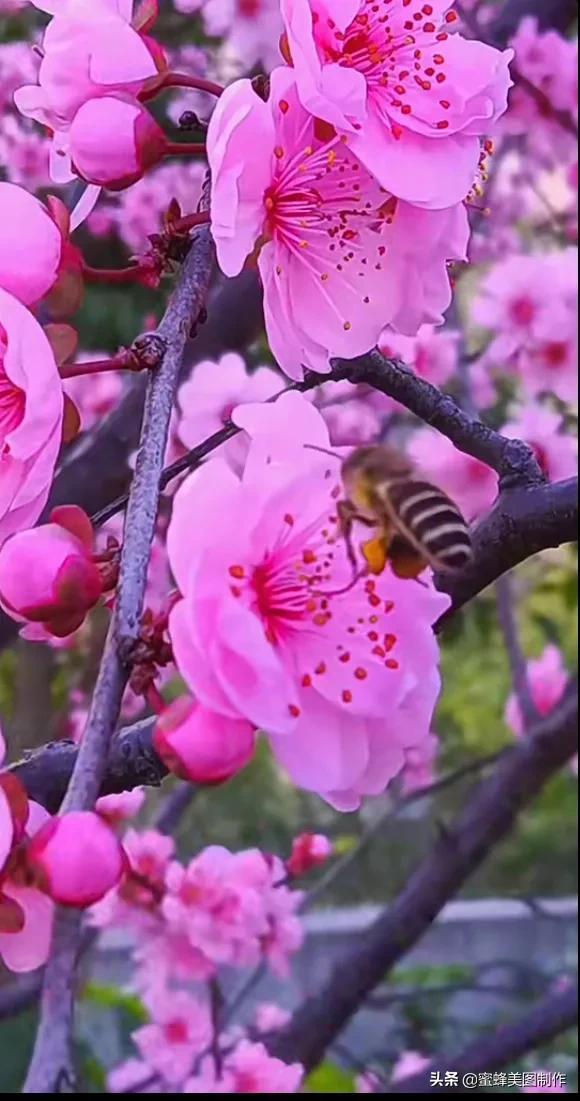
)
(549, 1018)
(52, 1056)
(518, 665)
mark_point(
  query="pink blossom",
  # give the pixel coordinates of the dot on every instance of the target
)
(132, 1076)
(409, 1063)
(231, 907)
(31, 410)
(547, 678)
(27, 230)
(252, 27)
(529, 304)
(117, 809)
(200, 745)
(17, 62)
(277, 176)
(469, 482)
(550, 62)
(554, 448)
(367, 1082)
(309, 850)
(25, 913)
(419, 770)
(113, 141)
(210, 394)
(47, 574)
(270, 1017)
(180, 1029)
(167, 954)
(89, 50)
(76, 858)
(248, 1069)
(433, 355)
(139, 210)
(135, 901)
(23, 153)
(412, 98)
(341, 701)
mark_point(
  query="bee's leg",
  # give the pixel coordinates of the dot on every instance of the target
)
(346, 517)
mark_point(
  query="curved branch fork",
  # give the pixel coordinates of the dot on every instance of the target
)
(51, 1067)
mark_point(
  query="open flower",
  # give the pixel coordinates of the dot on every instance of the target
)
(339, 256)
(247, 1069)
(179, 1030)
(31, 413)
(413, 96)
(343, 684)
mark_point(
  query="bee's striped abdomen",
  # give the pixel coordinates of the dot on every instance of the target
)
(433, 520)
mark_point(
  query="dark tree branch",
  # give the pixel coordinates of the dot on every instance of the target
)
(513, 461)
(549, 1017)
(490, 813)
(131, 762)
(522, 523)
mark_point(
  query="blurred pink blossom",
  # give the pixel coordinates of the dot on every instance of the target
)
(248, 1069)
(469, 482)
(94, 395)
(408, 1063)
(432, 354)
(419, 770)
(117, 809)
(179, 1029)
(270, 1017)
(252, 28)
(234, 907)
(555, 449)
(547, 679)
(212, 392)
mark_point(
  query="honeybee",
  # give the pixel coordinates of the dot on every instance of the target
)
(416, 524)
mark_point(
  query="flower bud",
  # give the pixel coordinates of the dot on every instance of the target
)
(201, 746)
(47, 574)
(76, 858)
(113, 141)
(309, 850)
(31, 245)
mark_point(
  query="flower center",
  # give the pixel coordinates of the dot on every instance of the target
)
(555, 353)
(523, 311)
(398, 61)
(249, 8)
(176, 1031)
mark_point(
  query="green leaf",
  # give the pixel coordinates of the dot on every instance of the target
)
(111, 997)
(328, 1078)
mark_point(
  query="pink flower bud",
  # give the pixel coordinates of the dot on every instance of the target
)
(76, 858)
(30, 245)
(201, 746)
(47, 574)
(113, 141)
(309, 850)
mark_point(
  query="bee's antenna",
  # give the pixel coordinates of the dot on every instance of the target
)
(323, 451)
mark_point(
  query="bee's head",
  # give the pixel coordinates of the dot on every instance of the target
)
(374, 464)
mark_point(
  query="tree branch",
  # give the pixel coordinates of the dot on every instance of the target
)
(489, 815)
(513, 460)
(518, 664)
(549, 1017)
(51, 1062)
(522, 523)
